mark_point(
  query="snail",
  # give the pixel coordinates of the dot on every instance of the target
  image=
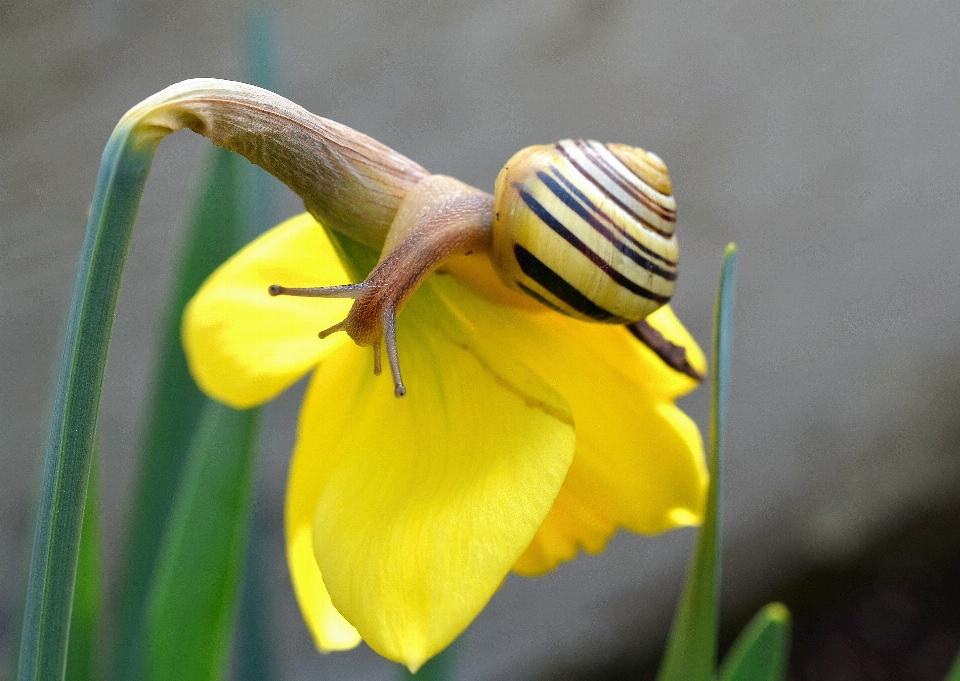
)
(583, 228)
(587, 229)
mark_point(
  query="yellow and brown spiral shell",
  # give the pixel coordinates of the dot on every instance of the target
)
(587, 229)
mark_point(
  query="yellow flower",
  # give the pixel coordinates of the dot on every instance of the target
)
(524, 437)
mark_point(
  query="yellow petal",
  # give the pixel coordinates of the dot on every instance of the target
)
(639, 462)
(422, 505)
(619, 351)
(643, 470)
(330, 631)
(244, 346)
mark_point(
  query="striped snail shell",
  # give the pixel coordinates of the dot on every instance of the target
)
(587, 229)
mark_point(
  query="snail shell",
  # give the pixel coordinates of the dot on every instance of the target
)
(587, 229)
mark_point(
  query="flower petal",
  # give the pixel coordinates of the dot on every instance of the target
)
(330, 631)
(639, 465)
(639, 462)
(422, 505)
(244, 346)
(619, 351)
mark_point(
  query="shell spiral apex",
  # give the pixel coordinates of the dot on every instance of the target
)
(587, 229)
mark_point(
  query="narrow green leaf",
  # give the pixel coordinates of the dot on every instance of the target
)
(83, 654)
(124, 167)
(194, 595)
(760, 652)
(954, 673)
(253, 653)
(691, 652)
(53, 564)
(216, 229)
(253, 647)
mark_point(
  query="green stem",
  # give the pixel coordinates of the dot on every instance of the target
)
(123, 172)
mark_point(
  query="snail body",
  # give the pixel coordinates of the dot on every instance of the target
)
(583, 228)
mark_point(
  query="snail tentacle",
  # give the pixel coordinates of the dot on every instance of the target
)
(390, 337)
(341, 291)
(377, 368)
(439, 219)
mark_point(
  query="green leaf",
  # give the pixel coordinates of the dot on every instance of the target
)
(954, 673)
(253, 650)
(53, 563)
(253, 646)
(760, 652)
(691, 652)
(216, 229)
(194, 595)
(83, 659)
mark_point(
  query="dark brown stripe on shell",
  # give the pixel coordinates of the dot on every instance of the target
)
(570, 202)
(551, 221)
(541, 273)
(613, 223)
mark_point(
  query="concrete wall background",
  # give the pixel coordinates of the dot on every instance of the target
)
(824, 138)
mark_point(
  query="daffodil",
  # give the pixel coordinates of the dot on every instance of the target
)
(525, 437)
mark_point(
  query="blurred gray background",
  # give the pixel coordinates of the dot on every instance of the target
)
(822, 137)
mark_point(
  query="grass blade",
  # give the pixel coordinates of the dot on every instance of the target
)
(124, 167)
(53, 565)
(202, 105)
(253, 651)
(760, 652)
(692, 648)
(217, 228)
(194, 595)
(83, 660)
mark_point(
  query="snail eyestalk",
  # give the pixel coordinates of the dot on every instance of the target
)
(439, 219)
(363, 328)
